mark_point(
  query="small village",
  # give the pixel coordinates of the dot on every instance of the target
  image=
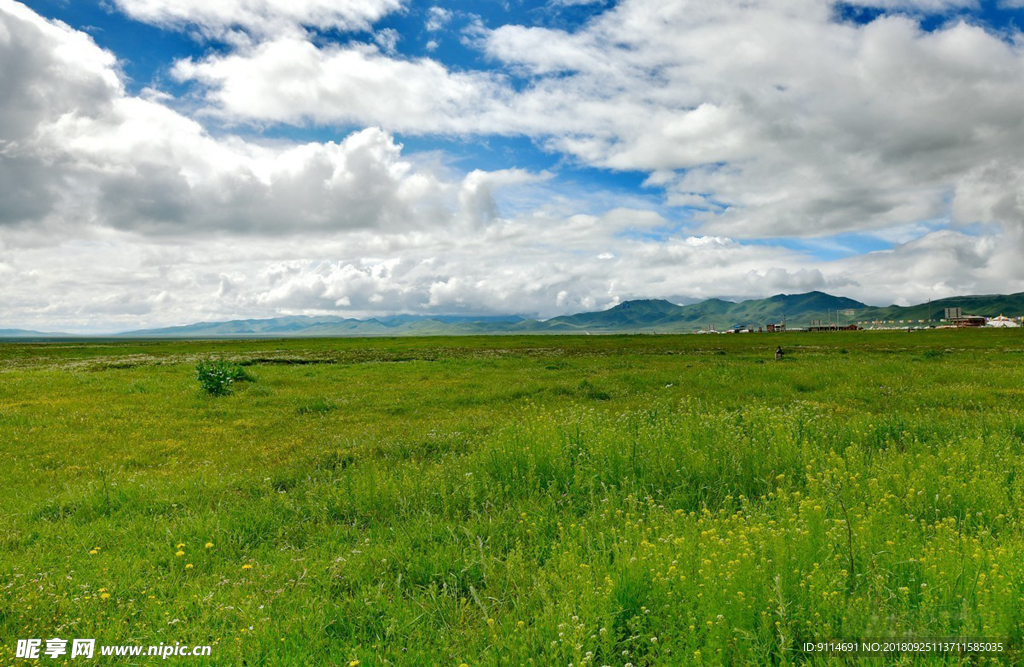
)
(839, 320)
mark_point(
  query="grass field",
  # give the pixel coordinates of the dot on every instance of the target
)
(644, 500)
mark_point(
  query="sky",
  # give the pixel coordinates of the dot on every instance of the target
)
(171, 161)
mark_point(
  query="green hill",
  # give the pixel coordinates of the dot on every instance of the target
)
(642, 313)
(27, 333)
(637, 316)
(336, 326)
(664, 316)
(988, 305)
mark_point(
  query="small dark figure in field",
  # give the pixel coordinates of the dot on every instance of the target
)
(778, 353)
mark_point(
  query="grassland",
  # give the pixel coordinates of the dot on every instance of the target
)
(641, 500)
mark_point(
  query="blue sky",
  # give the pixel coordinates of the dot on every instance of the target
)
(148, 50)
(262, 157)
(146, 54)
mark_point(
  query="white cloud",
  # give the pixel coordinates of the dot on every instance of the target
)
(477, 205)
(120, 212)
(791, 122)
(121, 281)
(930, 6)
(770, 114)
(387, 39)
(77, 153)
(259, 17)
(437, 18)
(290, 80)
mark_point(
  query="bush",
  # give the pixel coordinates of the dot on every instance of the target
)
(217, 377)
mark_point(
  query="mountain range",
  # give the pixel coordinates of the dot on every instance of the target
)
(638, 316)
(26, 333)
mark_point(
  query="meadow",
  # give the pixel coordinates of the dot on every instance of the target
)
(544, 500)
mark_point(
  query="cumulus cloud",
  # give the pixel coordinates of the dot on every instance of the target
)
(768, 120)
(773, 116)
(77, 152)
(119, 281)
(291, 80)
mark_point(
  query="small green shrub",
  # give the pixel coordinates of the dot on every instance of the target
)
(217, 377)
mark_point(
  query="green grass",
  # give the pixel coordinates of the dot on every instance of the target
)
(515, 500)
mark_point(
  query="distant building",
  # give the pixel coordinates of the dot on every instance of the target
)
(966, 321)
(1002, 322)
(955, 318)
(833, 327)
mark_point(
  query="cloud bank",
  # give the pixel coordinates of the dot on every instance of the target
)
(763, 129)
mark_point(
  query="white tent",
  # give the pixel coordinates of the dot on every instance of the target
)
(1001, 322)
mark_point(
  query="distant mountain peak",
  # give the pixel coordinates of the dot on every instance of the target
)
(819, 297)
(644, 303)
(28, 333)
(634, 315)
